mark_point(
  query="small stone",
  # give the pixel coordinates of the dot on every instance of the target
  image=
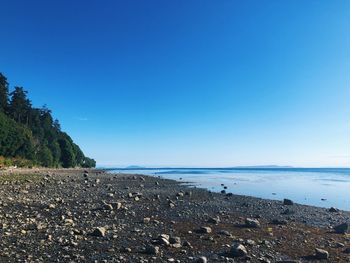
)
(214, 220)
(186, 244)
(203, 230)
(151, 250)
(117, 205)
(238, 250)
(224, 233)
(163, 241)
(108, 207)
(69, 221)
(175, 240)
(146, 220)
(99, 232)
(252, 223)
(201, 260)
(321, 254)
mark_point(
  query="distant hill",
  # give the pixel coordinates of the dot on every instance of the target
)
(31, 137)
(264, 167)
(134, 167)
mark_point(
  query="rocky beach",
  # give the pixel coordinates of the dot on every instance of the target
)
(92, 216)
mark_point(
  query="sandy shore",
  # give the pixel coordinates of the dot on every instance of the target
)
(90, 216)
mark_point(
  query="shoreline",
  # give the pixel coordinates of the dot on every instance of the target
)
(53, 213)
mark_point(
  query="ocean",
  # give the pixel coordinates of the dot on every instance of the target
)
(323, 187)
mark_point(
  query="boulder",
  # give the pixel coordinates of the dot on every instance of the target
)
(342, 228)
(288, 202)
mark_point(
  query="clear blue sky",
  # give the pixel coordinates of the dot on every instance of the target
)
(188, 83)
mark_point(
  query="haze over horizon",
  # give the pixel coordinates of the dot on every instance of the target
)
(188, 83)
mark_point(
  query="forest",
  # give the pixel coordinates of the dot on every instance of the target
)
(31, 137)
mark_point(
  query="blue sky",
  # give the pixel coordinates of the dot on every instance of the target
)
(188, 83)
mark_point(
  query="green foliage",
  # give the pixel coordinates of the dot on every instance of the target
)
(44, 157)
(88, 162)
(4, 90)
(32, 135)
(67, 153)
(15, 139)
(20, 107)
(19, 162)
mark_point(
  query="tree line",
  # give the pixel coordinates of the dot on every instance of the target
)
(32, 135)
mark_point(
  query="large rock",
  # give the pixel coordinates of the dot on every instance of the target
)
(333, 210)
(342, 228)
(321, 254)
(238, 250)
(347, 250)
(252, 223)
(288, 202)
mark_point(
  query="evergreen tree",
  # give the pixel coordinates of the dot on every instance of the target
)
(20, 106)
(4, 90)
(67, 153)
(44, 157)
(33, 134)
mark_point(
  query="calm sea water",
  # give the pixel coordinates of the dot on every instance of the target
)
(319, 187)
